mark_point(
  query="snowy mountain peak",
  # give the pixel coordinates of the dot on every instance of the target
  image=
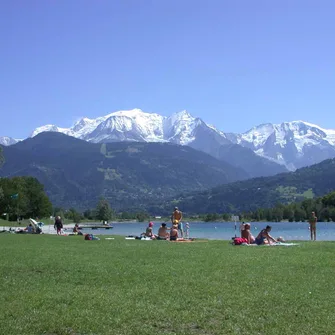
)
(300, 122)
(52, 128)
(133, 113)
(293, 144)
(181, 116)
(83, 121)
(134, 125)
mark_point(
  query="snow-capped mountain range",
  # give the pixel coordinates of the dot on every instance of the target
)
(290, 144)
(133, 125)
(294, 144)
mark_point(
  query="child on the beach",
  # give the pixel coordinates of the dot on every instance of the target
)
(187, 230)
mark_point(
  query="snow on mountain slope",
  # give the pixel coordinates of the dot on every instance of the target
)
(133, 125)
(293, 144)
(5, 140)
(179, 128)
(53, 128)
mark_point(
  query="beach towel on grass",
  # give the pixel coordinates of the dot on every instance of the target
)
(282, 244)
(138, 238)
(278, 244)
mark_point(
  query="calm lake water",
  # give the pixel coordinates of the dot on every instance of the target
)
(226, 230)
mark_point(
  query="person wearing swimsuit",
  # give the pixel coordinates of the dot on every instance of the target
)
(176, 218)
(245, 233)
(149, 231)
(163, 232)
(264, 237)
(312, 226)
(174, 233)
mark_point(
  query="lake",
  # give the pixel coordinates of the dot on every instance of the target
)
(226, 230)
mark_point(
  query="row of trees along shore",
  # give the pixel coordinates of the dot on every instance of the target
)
(102, 212)
(324, 207)
(24, 197)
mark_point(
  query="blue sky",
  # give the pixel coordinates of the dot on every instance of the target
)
(234, 63)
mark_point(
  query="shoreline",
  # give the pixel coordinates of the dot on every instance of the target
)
(201, 230)
(14, 224)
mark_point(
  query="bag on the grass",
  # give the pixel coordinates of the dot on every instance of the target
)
(88, 237)
(239, 240)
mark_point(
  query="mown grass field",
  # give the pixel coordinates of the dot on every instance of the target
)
(65, 285)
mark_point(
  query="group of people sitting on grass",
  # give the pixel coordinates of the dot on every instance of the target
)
(175, 233)
(32, 228)
(263, 237)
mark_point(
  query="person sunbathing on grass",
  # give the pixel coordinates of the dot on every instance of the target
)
(149, 231)
(30, 229)
(163, 232)
(76, 229)
(174, 233)
(264, 237)
(245, 233)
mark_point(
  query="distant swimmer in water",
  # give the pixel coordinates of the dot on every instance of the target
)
(312, 226)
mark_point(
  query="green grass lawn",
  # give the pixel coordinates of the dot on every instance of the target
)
(65, 285)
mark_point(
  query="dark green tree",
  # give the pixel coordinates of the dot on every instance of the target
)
(324, 215)
(268, 215)
(142, 216)
(89, 214)
(127, 216)
(332, 213)
(278, 213)
(73, 215)
(226, 217)
(288, 213)
(24, 197)
(329, 200)
(299, 214)
(104, 211)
